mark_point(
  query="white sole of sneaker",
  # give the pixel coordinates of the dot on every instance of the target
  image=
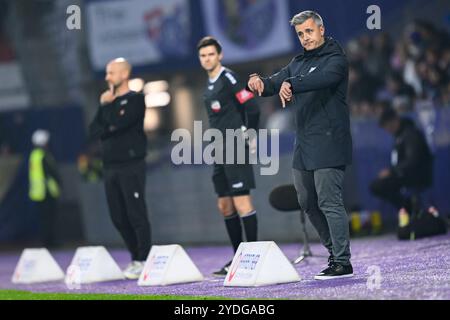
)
(319, 277)
(131, 277)
(219, 275)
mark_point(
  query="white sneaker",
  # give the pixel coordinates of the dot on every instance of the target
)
(133, 270)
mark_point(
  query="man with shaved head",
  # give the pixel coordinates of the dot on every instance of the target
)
(119, 123)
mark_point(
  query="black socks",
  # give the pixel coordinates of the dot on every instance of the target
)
(233, 224)
(251, 226)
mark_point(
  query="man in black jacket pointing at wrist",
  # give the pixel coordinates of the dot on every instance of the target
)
(315, 84)
(119, 123)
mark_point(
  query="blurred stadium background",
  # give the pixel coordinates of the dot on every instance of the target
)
(51, 78)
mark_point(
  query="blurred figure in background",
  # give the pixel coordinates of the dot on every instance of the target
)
(44, 185)
(406, 71)
(396, 90)
(411, 161)
(90, 165)
(230, 106)
(119, 124)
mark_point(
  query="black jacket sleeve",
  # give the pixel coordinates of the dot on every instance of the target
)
(331, 75)
(272, 84)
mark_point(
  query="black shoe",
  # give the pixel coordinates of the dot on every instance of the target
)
(335, 271)
(224, 271)
(330, 264)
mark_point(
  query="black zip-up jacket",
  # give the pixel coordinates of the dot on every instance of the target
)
(319, 80)
(120, 127)
(414, 160)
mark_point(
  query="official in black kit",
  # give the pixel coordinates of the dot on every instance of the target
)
(230, 106)
(119, 123)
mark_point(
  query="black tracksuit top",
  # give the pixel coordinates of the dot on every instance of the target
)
(120, 127)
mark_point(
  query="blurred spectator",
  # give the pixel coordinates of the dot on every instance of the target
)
(444, 63)
(412, 69)
(378, 62)
(445, 96)
(380, 106)
(44, 185)
(90, 164)
(397, 91)
(361, 87)
(411, 161)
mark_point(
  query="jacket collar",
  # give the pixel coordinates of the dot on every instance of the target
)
(328, 47)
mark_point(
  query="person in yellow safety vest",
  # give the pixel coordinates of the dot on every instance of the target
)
(44, 185)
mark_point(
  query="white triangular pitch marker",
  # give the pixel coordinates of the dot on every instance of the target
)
(35, 266)
(92, 264)
(260, 264)
(168, 265)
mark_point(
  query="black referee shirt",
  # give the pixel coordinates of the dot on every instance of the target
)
(229, 104)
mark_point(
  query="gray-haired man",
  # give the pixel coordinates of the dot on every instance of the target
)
(315, 83)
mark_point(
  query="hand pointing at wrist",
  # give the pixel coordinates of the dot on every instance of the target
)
(285, 93)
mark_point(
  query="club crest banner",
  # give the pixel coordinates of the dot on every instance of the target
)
(144, 32)
(249, 30)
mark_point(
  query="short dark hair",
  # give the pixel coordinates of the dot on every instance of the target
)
(209, 41)
(305, 15)
(389, 114)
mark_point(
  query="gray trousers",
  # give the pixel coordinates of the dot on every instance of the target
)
(319, 194)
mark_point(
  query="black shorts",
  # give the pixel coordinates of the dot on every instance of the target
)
(231, 180)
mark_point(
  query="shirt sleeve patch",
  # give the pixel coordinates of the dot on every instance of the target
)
(243, 96)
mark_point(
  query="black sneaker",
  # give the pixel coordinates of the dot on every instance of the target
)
(335, 271)
(330, 264)
(224, 271)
